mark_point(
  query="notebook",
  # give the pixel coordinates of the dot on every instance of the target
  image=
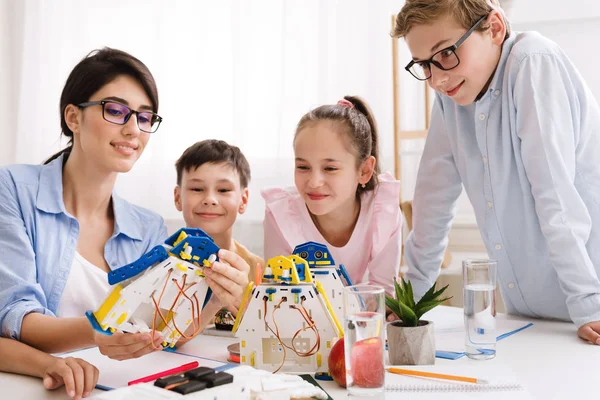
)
(115, 374)
(499, 378)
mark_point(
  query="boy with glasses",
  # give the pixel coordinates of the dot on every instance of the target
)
(514, 122)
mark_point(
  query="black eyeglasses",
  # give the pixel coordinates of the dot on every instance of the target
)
(119, 114)
(445, 59)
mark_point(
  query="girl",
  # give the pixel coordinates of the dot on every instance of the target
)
(62, 228)
(340, 199)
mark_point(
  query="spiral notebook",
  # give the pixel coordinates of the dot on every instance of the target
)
(499, 378)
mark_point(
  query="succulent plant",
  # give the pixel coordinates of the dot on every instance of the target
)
(404, 305)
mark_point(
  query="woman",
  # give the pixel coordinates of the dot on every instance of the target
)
(62, 228)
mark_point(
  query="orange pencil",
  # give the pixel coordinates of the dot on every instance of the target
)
(402, 371)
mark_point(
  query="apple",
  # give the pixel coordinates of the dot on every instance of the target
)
(366, 363)
(337, 363)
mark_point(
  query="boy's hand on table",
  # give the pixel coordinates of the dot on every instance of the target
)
(590, 332)
(123, 346)
(78, 376)
(228, 278)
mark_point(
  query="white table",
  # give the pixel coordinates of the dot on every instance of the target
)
(548, 359)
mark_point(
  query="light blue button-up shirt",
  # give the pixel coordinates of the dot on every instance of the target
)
(527, 154)
(38, 239)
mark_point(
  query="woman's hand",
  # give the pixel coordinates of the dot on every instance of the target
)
(78, 376)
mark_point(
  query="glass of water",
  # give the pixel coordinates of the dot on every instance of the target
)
(364, 329)
(479, 289)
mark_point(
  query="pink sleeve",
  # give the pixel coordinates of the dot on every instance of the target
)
(384, 264)
(280, 223)
(275, 243)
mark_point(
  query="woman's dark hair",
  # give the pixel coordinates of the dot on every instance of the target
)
(97, 69)
(355, 116)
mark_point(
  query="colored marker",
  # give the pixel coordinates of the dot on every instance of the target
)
(172, 371)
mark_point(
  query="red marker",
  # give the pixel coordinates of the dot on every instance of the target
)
(172, 371)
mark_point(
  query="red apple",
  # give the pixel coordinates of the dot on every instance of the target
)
(366, 363)
(337, 363)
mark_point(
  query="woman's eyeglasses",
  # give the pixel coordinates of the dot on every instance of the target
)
(119, 114)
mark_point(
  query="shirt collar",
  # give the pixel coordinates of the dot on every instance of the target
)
(50, 190)
(496, 83)
(50, 200)
(125, 221)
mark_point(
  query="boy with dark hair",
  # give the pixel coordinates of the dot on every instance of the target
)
(515, 123)
(212, 189)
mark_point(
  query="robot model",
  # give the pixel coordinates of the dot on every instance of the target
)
(163, 291)
(287, 322)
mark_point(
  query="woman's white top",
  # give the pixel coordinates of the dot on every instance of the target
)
(86, 288)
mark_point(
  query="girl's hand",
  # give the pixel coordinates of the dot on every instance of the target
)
(228, 278)
(123, 346)
(78, 376)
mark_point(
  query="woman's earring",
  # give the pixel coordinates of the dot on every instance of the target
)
(363, 186)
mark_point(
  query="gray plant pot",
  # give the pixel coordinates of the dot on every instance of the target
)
(411, 345)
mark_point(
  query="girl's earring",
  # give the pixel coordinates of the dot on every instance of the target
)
(363, 186)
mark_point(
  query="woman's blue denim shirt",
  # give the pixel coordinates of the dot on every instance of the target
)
(38, 238)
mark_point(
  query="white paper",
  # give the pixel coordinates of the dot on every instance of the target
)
(116, 374)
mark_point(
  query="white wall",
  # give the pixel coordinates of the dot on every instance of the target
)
(526, 11)
(574, 25)
(8, 89)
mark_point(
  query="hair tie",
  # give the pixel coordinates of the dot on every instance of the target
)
(345, 103)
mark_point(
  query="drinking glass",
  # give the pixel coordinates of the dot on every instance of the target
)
(364, 327)
(479, 289)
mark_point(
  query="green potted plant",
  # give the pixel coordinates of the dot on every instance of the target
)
(411, 341)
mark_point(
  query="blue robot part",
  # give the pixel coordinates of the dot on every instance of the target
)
(188, 231)
(95, 325)
(156, 255)
(202, 247)
(316, 254)
(301, 272)
(344, 274)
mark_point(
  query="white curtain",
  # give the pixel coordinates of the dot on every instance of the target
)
(241, 71)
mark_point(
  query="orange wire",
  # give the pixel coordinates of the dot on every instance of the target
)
(182, 290)
(310, 325)
(157, 308)
(172, 305)
(313, 326)
(276, 335)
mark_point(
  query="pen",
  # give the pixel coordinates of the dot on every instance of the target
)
(402, 371)
(172, 371)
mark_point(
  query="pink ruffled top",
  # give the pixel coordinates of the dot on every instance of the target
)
(373, 252)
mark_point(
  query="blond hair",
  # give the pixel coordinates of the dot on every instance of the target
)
(465, 12)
